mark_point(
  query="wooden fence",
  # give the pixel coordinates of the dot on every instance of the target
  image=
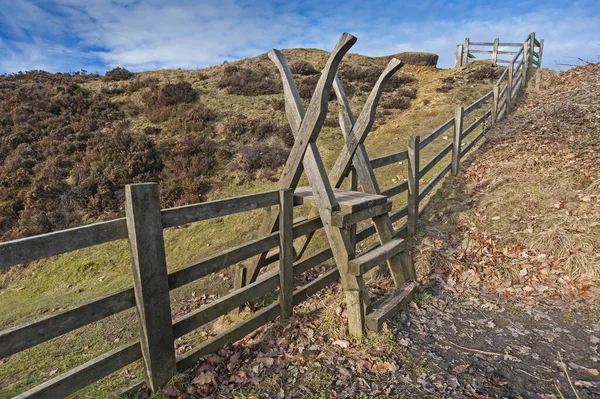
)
(144, 224)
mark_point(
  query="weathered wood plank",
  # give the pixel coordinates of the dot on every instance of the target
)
(458, 126)
(207, 210)
(85, 374)
(481, 51)
(286, 250)
(503, 61)
(25, 336)
(366, 261)
(149, 267)
(28, 249)
(477, 104)
(340, 219)
(434, 181)
(436, 133)
(349, 201)
(413, 185)
(510, 44)
(389, 159)
(390, 306)
(495, 101)
(475, 124)
(481, 43)
(395, 190)
(362, 125)
(437, 158)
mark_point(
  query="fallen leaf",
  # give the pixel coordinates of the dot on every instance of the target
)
(342, 343)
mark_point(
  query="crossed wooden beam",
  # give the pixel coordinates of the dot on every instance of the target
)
(305, 155)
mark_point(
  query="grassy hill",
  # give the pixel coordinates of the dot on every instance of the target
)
(70, 143)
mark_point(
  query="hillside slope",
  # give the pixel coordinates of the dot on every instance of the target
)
(71, 143)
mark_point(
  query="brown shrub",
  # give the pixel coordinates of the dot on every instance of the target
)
(302, 67)
(244, 130)
(396, 101)
(200, 113)
(189, 160)
(247, 82)
(175, 93)
(262, 154)
(407, 91)
(117, 74)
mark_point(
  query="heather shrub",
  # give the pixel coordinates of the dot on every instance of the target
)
(175, 93)
(302, 67)
(247, 82)
(188, 162)
(262, 154)
(245, 130)
(307, 87)
(117, 74)
(396, 101)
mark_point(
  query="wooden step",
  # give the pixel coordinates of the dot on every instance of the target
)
(340, 219)
(368, 260)
(388, 308)
(349, 201)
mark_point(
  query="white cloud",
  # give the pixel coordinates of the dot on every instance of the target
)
(69, 34)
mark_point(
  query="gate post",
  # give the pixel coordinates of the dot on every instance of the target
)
(149, 266)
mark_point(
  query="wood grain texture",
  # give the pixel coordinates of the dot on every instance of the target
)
(208, 210)
(389, 159)
(149, 267)
(25, 336)
(340, 219)
(366, 261)
(286, 251)
(28, 249)
(495, 101)
(413, 185)
(458, 126)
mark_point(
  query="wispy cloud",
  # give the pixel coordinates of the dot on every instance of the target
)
(65, 35)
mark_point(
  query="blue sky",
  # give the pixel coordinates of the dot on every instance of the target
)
(97, 35)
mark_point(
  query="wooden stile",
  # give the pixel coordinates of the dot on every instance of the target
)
(496, 91)
(465, 52)
(149, 266)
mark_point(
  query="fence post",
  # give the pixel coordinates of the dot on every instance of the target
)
(413, 185)
(526, 50)
(540, 51)
(353, 187)
(459, 56)
(508, 100)
(465, 57)
(495, 51)
(149, 266)
(496, 96)
(286, 252)
(532, 45)
(458, 121)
